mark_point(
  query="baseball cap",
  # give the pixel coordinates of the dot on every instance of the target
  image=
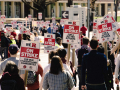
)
(13, 49)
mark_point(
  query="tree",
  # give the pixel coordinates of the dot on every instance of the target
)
(39, 5)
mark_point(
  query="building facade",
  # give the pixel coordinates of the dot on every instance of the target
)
(17, 9)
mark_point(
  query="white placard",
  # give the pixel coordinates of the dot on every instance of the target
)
(29, 55)
(3, 18)
(39, 15)
(70, 34)
(1, 24)
(8, 31)
(14, 23)
(29, 17)
(49, 42)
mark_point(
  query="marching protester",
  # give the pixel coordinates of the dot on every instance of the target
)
(96, 65)
(57, 78)
(43, 30)
(58, 43)
(49, 30)
(10, 78)
(83, 29)
(80, 52)
(4, 45)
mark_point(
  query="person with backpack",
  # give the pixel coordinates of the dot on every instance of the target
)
(80, 52)
(4, 45)
(33, 78)
(10, 79)
(95, 64)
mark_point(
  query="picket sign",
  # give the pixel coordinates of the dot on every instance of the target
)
(115, 25)
(29, 17)
(39, 15)
(14, 23)
(8, 31)
(47, 23)
(39, 24)
(95, 31)
(49, 42)
(62, 21)
(20, 27)
(54, 29)
(3, 18)
(27, 32)
(53, 20)
(1, 24)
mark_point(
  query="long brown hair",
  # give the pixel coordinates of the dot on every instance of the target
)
(56, 65)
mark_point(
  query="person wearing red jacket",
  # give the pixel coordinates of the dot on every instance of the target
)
(83, 29)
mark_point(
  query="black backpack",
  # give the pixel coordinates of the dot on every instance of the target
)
(9, 85)
(32, 77)
(81, 52)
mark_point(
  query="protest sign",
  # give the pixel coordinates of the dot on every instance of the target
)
(54, 29)
(76, 46)
(3, 18)
(38, 24)
(27, 32)
(53, 20)
(29, 17)
(14, 23)
(20, 27)
(49, 42)
(39, 15)
(1, 24)
(29, 55)
(95, 31)
(105, 32)
(115, 25)
(70, 34)
(62, 21)
(47, 23)
(8, 31)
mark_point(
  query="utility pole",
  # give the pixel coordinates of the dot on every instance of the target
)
(116, 6)
(88, 17)
(70, 2)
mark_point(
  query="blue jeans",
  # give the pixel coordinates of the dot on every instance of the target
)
(79, 76)
(96, 87)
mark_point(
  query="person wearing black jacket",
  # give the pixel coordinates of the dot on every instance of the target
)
(4, 45)
(96, 65)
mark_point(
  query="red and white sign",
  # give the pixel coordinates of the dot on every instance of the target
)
(53, 20)
(1, 24)
(105, 32)
(39, 15)
(95, 31)
(38, 24)
(3, 18)
(54, 29)
(49, 42)
(29, 17)
(29, 55)
(8, 31)
(70, 34)
(62, 21)
(47, 23)
(115, 25)
(14, 23)
(27, 32)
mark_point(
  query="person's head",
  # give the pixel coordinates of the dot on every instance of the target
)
(82, 24)
(49, 25)
(100, 49)
(94, 43)
(11, 37)
(2, 34)
(43, 27)
(13, 49)
(36, 34)
(56, 65)
(94, 37)
(52, 53)
(85, 40)
(62, 53)
(11, 67)
(65, 45)
(59, 40)
(27, 37)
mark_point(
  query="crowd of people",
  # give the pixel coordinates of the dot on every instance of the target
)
(95, 71)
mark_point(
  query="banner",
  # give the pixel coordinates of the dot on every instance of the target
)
(49, 42)
(70, 34)
(29, 55)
